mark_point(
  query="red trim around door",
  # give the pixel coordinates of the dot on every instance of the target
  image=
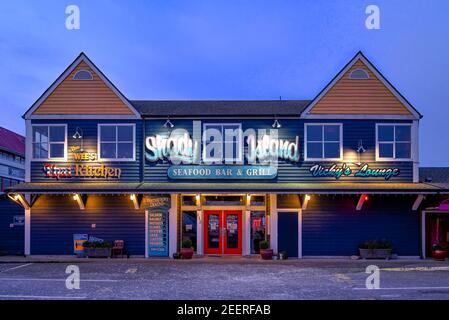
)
(226, 231)
(207, 217)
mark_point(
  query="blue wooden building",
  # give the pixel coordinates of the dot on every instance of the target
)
(313, 177)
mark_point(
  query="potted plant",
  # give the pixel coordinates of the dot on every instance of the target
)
(265, 252)
(375, 249)
(439, 251)
(187, 249)
(97, 249)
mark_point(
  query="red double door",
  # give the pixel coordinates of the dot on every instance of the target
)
(222, 232)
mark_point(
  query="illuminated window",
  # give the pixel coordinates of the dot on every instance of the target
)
(83, 75)
(359, 74)
(323, 142)
(394, 142)
(49, 142)
(222, 142)
(116, 142)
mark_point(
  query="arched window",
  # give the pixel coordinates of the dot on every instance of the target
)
(83, 74)
(359, 74)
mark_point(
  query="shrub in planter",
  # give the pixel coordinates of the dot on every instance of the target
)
(265, 252)
(440, 251)
(97, 249)
(187, 249)
(375, 249)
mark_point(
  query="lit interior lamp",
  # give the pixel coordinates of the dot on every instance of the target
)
(307, 197)
(75, 197)
(168, 123)
(132, 197)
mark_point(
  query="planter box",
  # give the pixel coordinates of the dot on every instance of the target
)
(439, 255)
(266, 254)
(375, 253)
(97, 252)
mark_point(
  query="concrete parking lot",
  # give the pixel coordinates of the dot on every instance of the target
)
(223, 279)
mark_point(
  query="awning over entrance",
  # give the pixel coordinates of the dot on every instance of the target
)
(191, 187)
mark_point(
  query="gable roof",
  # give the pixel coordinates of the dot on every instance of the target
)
(82, 60)
(164, 108)
(12, 142)
(359, 58)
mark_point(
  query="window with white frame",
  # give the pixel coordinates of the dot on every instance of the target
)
(222, 142)
(49, 142)
(323, 142)
(116, 142)
(394, 142)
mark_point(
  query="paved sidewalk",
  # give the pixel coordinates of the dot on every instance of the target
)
(227, 278)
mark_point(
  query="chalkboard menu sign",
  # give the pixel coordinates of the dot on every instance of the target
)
(157, 208)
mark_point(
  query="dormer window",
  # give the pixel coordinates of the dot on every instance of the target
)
(359, 74)
(83, 74)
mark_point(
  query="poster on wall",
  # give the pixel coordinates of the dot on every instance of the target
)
(157, 234)
(78, 241)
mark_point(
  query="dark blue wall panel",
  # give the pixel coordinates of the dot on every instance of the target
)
(11, 239)
(288, 233)
(332, 226)
(130, 169)
(54, 220)
(353, 132)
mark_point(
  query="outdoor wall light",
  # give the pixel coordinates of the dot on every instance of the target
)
(135, 201)
(78, 133)
(80, 201)
(197, 198)
(168, 123)
(276, 124)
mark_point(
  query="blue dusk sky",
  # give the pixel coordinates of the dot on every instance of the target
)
(230, 49)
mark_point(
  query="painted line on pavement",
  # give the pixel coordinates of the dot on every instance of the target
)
(41, 297)
(46, 279)
(406, 288)
(17, 267)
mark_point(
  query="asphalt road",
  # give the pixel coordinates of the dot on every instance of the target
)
(222, 279)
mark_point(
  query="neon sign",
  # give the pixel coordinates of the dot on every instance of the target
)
(185, 149)
(80, 170)
(364, 171)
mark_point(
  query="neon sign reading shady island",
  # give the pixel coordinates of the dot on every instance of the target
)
(222, 158)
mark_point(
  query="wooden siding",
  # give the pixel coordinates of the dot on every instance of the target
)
(332, 227)
(11, 239)
(130, 169)
(54, 220)
(359, 97)
(83, 97)
(353, 131)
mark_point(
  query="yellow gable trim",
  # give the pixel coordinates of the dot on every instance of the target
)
(83, 97)
(359, 96)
